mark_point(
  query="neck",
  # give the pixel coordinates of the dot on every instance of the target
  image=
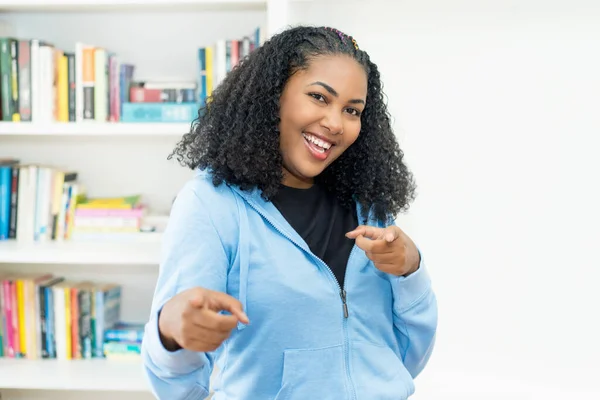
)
(293, 181)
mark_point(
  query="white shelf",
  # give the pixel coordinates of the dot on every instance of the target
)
(119, 5)
(122, 253)
(93, 375)
(93, 129)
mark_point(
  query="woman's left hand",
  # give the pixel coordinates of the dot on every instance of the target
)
(390, 249)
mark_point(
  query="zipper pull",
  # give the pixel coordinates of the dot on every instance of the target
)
(343, 296)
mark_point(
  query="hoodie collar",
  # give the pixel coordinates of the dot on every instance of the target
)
(271, 213)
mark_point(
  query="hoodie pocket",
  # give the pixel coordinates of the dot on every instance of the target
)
(378, 373)
(313, 374)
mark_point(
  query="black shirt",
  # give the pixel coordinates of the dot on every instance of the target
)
(322, 222)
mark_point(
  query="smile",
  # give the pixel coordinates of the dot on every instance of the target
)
(320, 144)
(319, 148)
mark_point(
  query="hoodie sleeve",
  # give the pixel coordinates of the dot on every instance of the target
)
(415, 318)
(192, 255)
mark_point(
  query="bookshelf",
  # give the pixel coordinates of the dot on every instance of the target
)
(161, 38)
(78, 253)
(122, 5)
(85, 375)
(85, 129)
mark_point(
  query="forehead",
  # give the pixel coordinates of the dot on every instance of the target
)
(342, 73)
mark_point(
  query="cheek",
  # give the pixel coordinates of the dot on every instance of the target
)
(351, 133)
(295, 113)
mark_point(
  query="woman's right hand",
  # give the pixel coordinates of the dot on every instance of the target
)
(191, 320)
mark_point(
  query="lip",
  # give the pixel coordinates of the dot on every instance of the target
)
(312, 149)
(322, 137)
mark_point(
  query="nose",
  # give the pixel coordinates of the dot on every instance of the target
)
(332, 121)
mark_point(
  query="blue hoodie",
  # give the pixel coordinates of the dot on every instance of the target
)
(299, 344)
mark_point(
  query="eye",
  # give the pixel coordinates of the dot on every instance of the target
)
(318, 97)
(353, 111)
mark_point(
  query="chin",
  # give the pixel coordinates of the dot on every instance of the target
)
(310, 172)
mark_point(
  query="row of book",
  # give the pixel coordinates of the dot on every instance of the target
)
(47, 316)
(43, 83)
(215, 61)
(43, 203)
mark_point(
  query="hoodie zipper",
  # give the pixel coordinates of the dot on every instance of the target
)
(342, 292)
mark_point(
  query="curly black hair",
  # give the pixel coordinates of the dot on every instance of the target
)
(236, 133)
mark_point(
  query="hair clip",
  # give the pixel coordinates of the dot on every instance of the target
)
(340, 34)
(343, 37)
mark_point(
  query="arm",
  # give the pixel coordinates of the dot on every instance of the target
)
(192, 255)
(415, 318)
(414, 303)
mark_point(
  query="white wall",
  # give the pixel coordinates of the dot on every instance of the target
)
(496, 105)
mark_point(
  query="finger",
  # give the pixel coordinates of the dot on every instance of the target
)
(198, 341)
(373, 245)
(369, 232)
(359, 230)
(391, 233)
(209, 336)
(364, 243)
(198, 299)
(224, 302)
(214, 321)
(383, 258)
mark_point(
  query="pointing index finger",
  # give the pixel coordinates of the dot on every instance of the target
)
(370, 232)
(224, 302)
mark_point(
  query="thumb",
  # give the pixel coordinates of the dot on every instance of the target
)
(391, 233)
(223, 302)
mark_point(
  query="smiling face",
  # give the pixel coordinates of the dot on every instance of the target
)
(320, 110)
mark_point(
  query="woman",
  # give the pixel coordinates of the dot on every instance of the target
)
(282, 265)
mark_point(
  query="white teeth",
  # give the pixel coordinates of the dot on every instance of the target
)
(324, 145)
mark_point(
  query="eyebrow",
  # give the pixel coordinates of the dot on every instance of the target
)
(333, 92)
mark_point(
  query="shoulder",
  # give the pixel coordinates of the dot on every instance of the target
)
(200, 199)
(202, 192)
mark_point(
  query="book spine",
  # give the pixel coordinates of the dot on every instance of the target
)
(110, 212)
(85, 323)
(2, 324)
(75, 334)
(201, 76)
(14, 65)
(5, 192)
(89, 83)
(79, 102)
(60, 334)
(71, 71)
(14, 203)
(8, 311)
(62, 88)
(43, 346)
(122, 347)
(6, 80)
(159, 112)
(25, 80)
(50, 323)
(114, 89)
(124, 335)
(36, 319)
(100, 85)
(34, 89)
(99, 326)
(15, 320)
(21, 321)
(47, 104)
